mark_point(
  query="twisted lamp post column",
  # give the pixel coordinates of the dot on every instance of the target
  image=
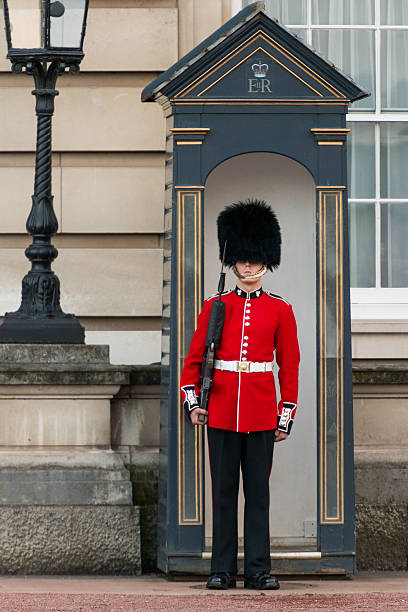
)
(40, 318)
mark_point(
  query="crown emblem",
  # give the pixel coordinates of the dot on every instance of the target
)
(260, 69)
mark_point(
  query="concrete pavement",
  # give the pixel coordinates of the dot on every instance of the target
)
(383, 592)
(364, 582)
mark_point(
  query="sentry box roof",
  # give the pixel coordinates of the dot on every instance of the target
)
(253, 57)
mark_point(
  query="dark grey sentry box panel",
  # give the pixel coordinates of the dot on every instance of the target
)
(254, 87)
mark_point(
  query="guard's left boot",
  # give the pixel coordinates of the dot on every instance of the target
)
(221, 581)
(261, 582)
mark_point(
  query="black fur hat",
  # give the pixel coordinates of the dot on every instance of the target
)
(252, 232)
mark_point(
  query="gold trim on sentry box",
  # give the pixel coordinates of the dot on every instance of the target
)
(261, 34)
(330, 130)
(189, 142)
(259, 102)
(338, 143)
(256, 100)
(245, 59)
(306, 68)
(325, 517)
(197, 518)
(190, 132)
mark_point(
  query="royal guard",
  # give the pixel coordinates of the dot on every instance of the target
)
(243, 417)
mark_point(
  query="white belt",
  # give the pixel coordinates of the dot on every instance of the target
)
(243, 366)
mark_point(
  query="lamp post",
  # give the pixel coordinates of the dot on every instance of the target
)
(44, 38)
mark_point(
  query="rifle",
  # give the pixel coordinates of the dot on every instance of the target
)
(212, 342)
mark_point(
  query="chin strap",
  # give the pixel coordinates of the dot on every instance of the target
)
(258, 274)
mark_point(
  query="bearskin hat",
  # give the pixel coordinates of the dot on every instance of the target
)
(252, 233)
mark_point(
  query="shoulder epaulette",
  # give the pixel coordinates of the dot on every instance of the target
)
(216, 295)
(277, 297)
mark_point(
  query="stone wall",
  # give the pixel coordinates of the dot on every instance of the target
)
(135, 436)
(381, 463)
(64, 539)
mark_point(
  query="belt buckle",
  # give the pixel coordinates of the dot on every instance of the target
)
(243, 366)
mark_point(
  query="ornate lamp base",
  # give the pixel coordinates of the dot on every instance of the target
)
(65, 329)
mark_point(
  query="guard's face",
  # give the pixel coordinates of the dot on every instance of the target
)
(245, 268)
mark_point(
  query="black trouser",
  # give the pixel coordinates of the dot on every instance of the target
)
(253, 452)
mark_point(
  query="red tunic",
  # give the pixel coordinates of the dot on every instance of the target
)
(256, 324)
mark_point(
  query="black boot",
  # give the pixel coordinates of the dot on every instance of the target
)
(261, 582)
(221, 581)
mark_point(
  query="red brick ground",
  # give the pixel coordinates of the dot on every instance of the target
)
(105, 602)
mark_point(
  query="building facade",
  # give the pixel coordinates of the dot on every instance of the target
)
(109, 179)
(109, 164)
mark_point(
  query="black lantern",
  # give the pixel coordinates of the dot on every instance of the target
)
(44, 38)
(46, 29)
